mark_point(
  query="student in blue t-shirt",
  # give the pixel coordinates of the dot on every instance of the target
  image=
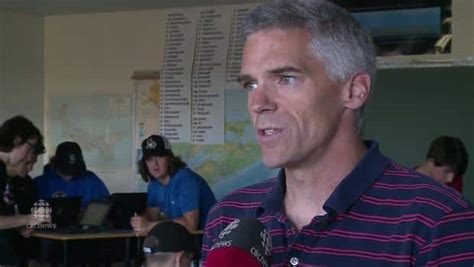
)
(174, 190)
(67, 176)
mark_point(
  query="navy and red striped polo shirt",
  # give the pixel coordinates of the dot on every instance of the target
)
(381, 214)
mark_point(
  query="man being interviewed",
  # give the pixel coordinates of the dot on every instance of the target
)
(308, 68)
(174, 191)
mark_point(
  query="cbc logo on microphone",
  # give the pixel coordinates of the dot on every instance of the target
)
(266, 242)
(229, 228)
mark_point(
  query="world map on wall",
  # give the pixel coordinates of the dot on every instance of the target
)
(101, 125)
(236, 163)
(225, 167)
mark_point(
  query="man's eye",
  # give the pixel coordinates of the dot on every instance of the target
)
(250, 86)
(285, 79)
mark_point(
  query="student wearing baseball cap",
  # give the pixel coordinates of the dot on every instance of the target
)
(67, 176)
(168, 244)
(174, 190)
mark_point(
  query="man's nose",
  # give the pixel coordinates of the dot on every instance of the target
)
(261, 99)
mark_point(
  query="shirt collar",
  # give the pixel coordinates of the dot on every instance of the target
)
(273, 202)
(358, 181)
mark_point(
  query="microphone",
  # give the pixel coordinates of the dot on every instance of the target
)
(243, 243)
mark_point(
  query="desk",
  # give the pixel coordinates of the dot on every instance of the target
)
(66, 237)
(126, 234)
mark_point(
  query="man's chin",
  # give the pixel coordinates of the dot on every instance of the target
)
(272, 162)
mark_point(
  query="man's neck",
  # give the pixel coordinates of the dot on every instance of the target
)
(424, 169)
(308, 187)
(10, 172)
(4, 157)
(65, 178)
(164, 181)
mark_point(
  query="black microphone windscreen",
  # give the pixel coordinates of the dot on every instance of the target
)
(247, 234)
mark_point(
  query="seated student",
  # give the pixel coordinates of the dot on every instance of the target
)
(24, 191)
(18, 139)
(67, 176)
(457, 183)
(24, 196)
(168, 244)
(446, 161)
(174, 190)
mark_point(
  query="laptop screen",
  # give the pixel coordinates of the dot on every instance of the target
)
(65, 211)
(95, 214)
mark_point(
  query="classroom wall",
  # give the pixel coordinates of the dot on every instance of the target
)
(97, 53)
(21, 67)
(91, 58)
(94, 55)
(411, 107)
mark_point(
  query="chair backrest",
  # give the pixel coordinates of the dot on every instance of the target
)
(124, 206)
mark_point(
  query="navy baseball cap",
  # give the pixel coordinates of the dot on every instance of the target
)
(68, 159)
(156, 145)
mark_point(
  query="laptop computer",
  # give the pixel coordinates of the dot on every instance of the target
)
(91, 220)
(65, 211)
(124, 206)
(95, 215)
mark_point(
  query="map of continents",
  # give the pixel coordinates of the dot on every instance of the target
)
(102, 127)
(236, 163)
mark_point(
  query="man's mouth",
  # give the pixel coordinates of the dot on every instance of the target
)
(268, 131)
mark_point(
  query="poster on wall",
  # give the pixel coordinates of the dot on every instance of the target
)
(223, 149)
(176, 73)
(101, 125)
(147, 117)
(235, 46)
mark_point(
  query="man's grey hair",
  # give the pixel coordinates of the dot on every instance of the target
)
(336, 37)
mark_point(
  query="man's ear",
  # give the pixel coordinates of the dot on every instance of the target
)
(177, 258)
(357, 90)
(17, 141)
(450, 177)
(431, 161)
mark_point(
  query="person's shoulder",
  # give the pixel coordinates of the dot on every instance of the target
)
(152, 182)
(247, 198)
(258, 189)
(185, 175)
(422, 192)
(38, 178)
(92, 177)
(48, 172)
(240, 203)
(186, 172)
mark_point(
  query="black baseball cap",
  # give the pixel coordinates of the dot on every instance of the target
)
(156, 145)
(168, 236)
(68, 159)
